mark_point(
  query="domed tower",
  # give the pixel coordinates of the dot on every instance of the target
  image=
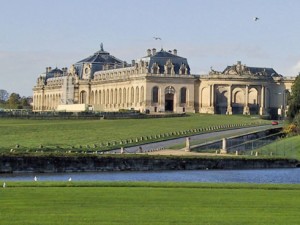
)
(100, 60)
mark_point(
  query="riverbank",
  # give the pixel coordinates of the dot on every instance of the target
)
(135, 162)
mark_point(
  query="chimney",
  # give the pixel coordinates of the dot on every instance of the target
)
(175, 52)
(48, 69)
(153, 51)
(132, 62)
(148, 52)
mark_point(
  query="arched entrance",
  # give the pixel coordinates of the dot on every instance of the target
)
(83, 97)
(169, 99)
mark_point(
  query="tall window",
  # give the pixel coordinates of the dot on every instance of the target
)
(155, 95)
(183, 95)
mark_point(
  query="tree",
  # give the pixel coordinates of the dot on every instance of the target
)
(294, 99)
(14, 101)
(3, 95)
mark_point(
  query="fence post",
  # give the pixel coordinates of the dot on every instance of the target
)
(187, 144)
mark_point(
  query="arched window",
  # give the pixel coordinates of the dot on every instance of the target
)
(120, 96)
(132, 95)
(83, 96)
(183, 95)
(124, 95)
(107, 96)
(137, 95)
(142, 94)
(155, 94)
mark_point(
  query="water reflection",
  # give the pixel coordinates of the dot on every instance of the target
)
(287, 176)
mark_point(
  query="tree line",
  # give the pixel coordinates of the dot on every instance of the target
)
(13, 101)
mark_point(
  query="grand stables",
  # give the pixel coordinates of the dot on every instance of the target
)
(160, 82)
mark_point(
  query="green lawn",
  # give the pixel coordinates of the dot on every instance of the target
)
(148, 203)
(289, 147)
(62, 134)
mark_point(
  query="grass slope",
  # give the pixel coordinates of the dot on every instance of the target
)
(287, 147)
(148, 203)
(66, 133)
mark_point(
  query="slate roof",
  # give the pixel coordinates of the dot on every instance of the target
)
(54, 72)
(98, 59)
(162, 56)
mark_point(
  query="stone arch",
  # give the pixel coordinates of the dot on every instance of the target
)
(92, 97)
(221, 102)
(96, 97)
(107, 96)
(100, 97)
(111, 97)
(205, 97)
(120, 96)
(238, 101)
(116, 96)
(137, 95)
(169, 98)
(124, 96)
(132, 95)
(142, 94)
(253, 101)
(83, 97)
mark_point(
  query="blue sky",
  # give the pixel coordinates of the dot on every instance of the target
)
(36, 34)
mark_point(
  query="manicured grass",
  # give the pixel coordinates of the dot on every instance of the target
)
(287, 147)
(62, 134)
(148, 203)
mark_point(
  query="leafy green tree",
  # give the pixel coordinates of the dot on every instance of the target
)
(294, 100)
(14, 101)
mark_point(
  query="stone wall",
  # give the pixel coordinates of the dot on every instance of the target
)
(11, 164)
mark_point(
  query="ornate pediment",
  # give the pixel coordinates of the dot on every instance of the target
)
(237, 69)
(243, 70)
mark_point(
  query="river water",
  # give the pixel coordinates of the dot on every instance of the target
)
(268, 176)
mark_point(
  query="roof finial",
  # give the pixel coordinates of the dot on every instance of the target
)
(101, 46)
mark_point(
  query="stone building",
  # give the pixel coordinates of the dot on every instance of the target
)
(160, 82)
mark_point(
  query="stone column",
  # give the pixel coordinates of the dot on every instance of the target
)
(224, 148)
(211, 108)
(187, 144)
(229, 108)
(262, 101)
(246, 106)
(122, 150)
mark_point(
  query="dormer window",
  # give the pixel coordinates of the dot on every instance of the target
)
(155, 68)
(183, 69)
(169, 67)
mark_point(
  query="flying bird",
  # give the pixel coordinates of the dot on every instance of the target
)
(157, 38)
(255, 18)
(70, 179)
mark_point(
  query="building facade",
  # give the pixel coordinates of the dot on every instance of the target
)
(160, 82)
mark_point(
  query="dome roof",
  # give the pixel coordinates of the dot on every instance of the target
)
(97, 60)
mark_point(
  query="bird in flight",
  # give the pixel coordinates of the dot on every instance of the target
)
(70, 179)
(255, 18)
(157, 38)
